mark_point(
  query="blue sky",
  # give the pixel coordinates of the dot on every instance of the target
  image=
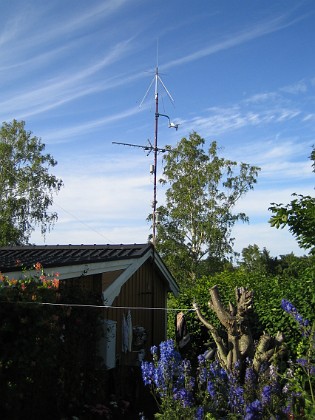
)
(240, 72)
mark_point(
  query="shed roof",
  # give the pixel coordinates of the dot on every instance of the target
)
(73, 261)
(18, 257)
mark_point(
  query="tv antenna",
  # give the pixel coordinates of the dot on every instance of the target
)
(154, 148)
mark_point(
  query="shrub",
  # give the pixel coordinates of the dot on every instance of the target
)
(212, 392)
(48, 353)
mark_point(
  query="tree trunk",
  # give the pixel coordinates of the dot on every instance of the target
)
(239, 344)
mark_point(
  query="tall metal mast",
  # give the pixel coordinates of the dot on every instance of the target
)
(155, 147)
(156, 128)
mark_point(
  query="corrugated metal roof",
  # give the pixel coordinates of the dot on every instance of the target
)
(18, 257)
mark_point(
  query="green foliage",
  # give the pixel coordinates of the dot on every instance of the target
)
(298, 215)
(295, 281)
(199, 292)
(256, 260)
(26, 186)
(283, 391)
(301, 373)
(197, 219)
(49, 367)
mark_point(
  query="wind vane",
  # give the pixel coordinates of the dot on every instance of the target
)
(154, 148)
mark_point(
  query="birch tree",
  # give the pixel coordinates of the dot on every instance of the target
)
(197, 219)
(26, 185)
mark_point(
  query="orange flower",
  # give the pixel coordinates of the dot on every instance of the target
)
(38, 266)
(55, 283)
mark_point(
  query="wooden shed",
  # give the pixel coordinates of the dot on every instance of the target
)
(132, 280)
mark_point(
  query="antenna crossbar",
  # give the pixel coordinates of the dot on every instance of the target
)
(149, 148)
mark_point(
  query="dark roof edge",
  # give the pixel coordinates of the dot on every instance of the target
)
(17, 258)
(72, 246)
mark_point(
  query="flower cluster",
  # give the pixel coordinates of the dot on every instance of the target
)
(291, 310)
(41, 279)
(169, 375)
(300, 386)
(213, 391)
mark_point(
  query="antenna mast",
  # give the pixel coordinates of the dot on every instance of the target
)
(155, 147)
(156, 127)
(157, 79)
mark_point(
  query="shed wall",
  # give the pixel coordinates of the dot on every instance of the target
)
(145, 289)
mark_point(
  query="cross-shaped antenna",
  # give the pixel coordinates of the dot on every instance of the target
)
(149, 148)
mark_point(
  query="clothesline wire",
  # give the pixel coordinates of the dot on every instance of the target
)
(101, 306)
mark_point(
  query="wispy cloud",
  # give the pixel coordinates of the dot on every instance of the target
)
(273, 111)
(261, 98)
(309, 117)
(51, 93)
(296, 88)
(52, 83)
(92, 14)
(221, 120)
(258, 30)
(88, 127)
(23, 26)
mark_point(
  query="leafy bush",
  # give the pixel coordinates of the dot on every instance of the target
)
(295, 282)
(48, 354)
(301, 373)
(212, 392)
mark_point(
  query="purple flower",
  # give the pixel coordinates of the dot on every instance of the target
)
(199, 413)
(159, 379)
(291, 310)
(253, 411)
(201, 359)
(154, 350)
(302, 362)
(202, 375)
(184, 396)
(266, 394)
(287, 306)
(168, 352)
(250, 377)
(148, 372)
(236, 398)
(211, 389)
(223, 374)
(169, 374)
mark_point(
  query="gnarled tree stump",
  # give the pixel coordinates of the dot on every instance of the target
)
(238, 343)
